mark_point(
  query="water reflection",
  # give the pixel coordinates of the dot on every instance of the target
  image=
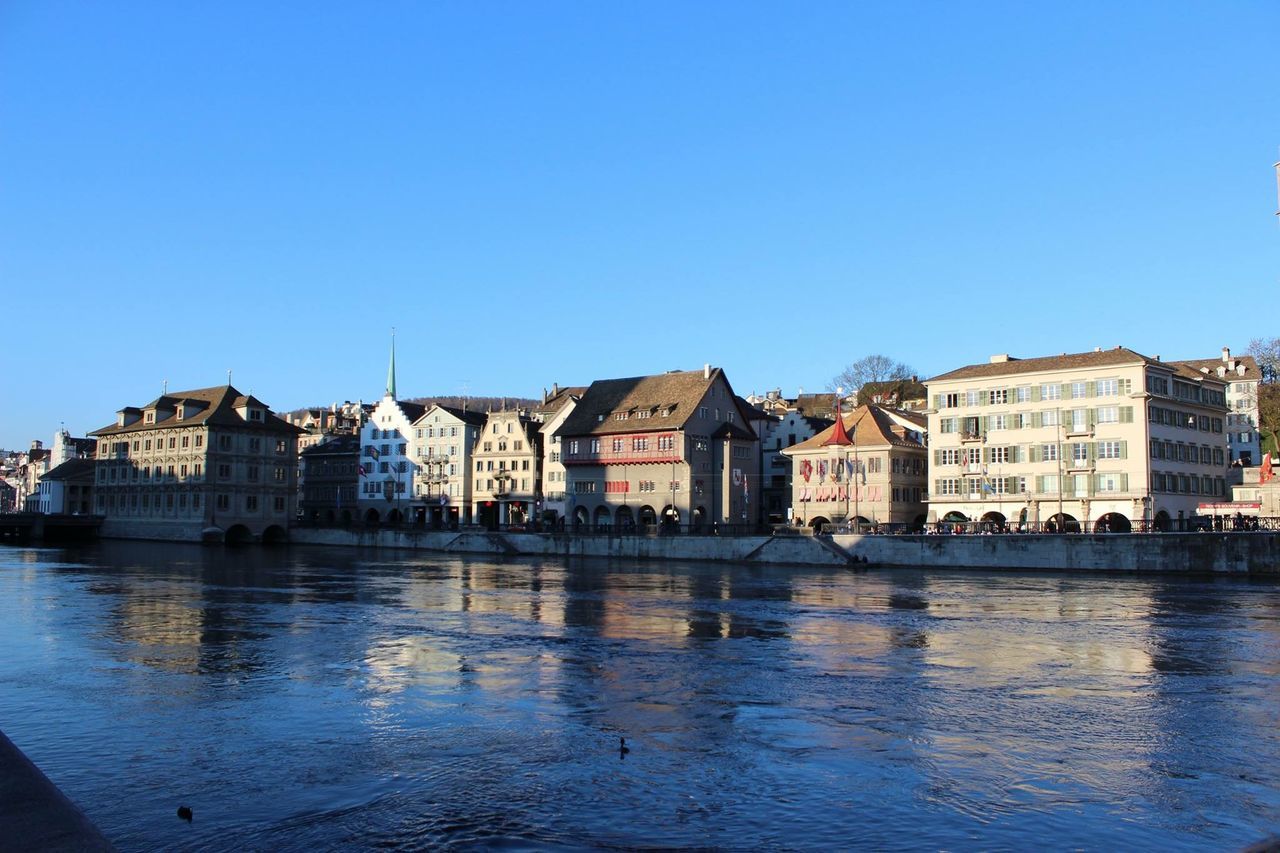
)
(311, 697)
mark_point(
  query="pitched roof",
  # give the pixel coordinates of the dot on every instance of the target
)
(72, 469)
(557, 401)
(867, 426)
(677, 393)
(1198, 365)
(464, 415)
(337, 445)
(216, 407)
(1066, 361)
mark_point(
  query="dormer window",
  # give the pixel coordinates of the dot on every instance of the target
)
(620, 416)
(255, 414)
(149, 418)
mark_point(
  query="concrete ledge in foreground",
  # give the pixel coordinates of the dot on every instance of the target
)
(34, 814)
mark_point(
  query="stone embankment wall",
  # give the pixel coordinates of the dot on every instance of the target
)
(1124, 552)
(791, 550)
(1120, 552)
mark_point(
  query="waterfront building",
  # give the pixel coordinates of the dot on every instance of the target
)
(387, 467)
(675, 448)
(32, 465)
(554, 411)
(328, 473)
(444, 441)
(868, 468)
(197, 464)
(1097, 440)
(777, 434)
(67, 488)
(65, 447)
(506, 477)
(1242, 376)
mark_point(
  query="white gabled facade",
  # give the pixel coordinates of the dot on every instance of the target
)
(444, 440)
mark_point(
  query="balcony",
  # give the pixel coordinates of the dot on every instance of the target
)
(969, 437)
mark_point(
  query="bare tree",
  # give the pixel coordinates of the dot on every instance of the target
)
(871, 368)
(1266, 351)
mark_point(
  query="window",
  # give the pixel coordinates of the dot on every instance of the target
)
(950, 401)
(224, 472)
(999, 396)
(1079, 453)
(999, 455)
(703, 412)
(1023, 393)
(971, 398)
(666, 442)
(1051, 417)
(947, 486)
(639, 444)
(950, 456)
(584, 488)
(1051, 391)
(619, 444)
(252, 471)
(1107, 387)
(251, 503)
(999, 422)
(1109, 450)
(1108, 415)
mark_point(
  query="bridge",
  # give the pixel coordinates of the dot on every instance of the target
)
(22, 527)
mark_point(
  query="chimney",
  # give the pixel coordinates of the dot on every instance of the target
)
(706, 371)
(1226, 353)
(555, 389)
(999, 358)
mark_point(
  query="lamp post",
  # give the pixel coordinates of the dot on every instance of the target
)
(1061, 524)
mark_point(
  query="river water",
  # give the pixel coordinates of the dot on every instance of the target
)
(314, 698)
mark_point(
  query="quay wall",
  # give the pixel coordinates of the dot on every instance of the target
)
(1228, 553)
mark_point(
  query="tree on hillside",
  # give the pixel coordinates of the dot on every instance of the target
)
(1266, 351)
(871, 368)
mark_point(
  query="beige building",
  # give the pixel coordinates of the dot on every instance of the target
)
(674, 448)
(871, 468)
(1242, 376)
(205, 464)
(1102, 440)
(506, 475)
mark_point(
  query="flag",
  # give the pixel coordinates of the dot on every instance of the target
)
(746, 489)
(986, 487)
(363, 473)
(1267, 472)
(848, 464)
(373, 451)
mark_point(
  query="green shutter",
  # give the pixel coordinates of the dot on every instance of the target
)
(1037, 420)
(1124, 482)
(1124, 450)
(1126, 414)
(1035, 393)
(1011, 485)
(986, 422)
(1126, 386)
(937, 457)
(1039, 484)
(1064, 391)
(1092, 450)
(937, 401)
(1091, 389)
(1033, 453)
(1093, 417)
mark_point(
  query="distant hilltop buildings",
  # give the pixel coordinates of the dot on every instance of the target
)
(1107, 440)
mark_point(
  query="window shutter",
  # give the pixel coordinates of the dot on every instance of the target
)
(1011, 485)
(1092, 450)
(1124, 450)
(1126, 385)
(937, 401)
(1065, 391)
(1033, 454)
(1035, 393)
(1093, 417)
(1126, 414)
(1037, 419)
(1039, 484)
(1091, 389)
(1124, 482)
(985, 421)
(937, 457)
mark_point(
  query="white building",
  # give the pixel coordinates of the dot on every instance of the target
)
(1242, 376)
(556, 407)
(387, 457)
(444, 439)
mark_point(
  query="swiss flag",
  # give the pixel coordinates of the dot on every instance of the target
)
(1266, 473)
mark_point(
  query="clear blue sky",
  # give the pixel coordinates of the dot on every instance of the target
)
(543, 192)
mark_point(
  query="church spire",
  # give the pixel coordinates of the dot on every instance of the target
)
(391, 368)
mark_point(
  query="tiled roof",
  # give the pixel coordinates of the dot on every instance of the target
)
(216, 408)
(895, 389)
(678, 393)
(557, 401)
(1195, 365)
(868, 426)
(1066, 361)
